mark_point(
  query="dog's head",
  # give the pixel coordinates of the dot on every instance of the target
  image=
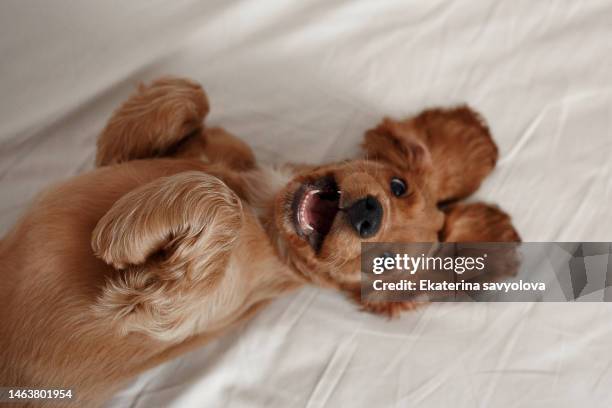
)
(324, 213)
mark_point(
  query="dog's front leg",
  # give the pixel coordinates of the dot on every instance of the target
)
(153, 122)
(170, 242)
(165, 119)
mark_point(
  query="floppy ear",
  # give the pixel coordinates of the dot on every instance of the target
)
(459, 148)
(401, 147)
(170, 241)
(481, 222)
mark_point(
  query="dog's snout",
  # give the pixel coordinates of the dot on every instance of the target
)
(365, 216)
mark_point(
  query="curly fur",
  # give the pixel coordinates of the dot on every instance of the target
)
(180, 234)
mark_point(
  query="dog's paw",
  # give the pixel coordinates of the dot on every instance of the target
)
(152, 121)
(187, 218)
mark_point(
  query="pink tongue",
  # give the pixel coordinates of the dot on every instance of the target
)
(320, 213)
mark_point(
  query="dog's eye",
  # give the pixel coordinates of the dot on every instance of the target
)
(398, 186)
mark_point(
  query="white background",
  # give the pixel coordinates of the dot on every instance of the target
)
(301, 81)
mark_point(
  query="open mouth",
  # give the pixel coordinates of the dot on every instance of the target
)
(315, 206)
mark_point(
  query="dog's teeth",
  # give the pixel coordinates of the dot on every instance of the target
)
(306, 227)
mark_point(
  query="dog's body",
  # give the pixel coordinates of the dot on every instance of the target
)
(180, 234)
(54, 336)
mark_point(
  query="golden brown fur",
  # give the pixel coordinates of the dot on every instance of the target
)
(179, 234)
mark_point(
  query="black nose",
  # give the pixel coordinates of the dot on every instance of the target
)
(365, 216)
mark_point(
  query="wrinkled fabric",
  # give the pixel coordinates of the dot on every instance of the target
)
(301, 81)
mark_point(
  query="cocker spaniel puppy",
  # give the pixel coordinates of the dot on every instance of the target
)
(180, 234)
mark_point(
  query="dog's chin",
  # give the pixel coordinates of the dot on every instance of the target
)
(314, 207)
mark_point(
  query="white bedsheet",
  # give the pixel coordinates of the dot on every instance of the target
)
(302, 81)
